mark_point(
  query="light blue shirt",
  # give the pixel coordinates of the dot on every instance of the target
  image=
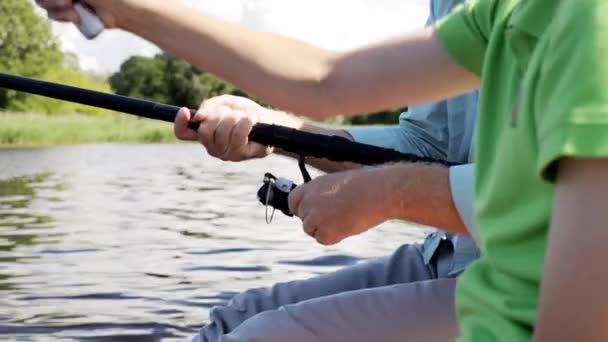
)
(441, 130)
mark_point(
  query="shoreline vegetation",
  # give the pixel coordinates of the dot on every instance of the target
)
(43, 130)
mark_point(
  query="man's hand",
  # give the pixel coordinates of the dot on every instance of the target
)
(336, 206)
(225, 124)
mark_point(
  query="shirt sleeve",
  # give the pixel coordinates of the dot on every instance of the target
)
(570, 98)
(465, 33)
(419, 133)
(462, 179)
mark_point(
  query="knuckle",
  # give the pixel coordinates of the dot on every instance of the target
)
(230, 156)
(324, 242)
(214, 153)
(223, 110)
(308, 229)
(327, 238)
(210, 102)
(248, 120)
(230, 121)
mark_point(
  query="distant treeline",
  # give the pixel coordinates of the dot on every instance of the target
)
(27, 47)
(166, 79)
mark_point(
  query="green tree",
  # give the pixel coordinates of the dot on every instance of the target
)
(167, 79)
(27, 46)
(141, 77)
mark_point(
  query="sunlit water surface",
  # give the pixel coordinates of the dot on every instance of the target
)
(138, 242)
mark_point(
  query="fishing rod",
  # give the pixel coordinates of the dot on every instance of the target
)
(300, 143)
(288, 139)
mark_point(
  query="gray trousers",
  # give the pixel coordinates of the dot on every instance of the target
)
(397, 298)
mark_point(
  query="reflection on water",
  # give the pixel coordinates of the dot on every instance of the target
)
(20, 226)
(138, 242)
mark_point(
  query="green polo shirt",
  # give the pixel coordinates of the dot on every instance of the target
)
(544, 95)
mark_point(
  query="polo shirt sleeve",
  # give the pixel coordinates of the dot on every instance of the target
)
(466, 31)
(571, 99)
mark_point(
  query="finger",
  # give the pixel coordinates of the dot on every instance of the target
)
(240, 136)
(180, 127)
(203, 111)
(309, 225)
(252, 148)
(64, 14)
(206, 134)
(55, 4)
(326, 237)
(223, 133)
(295, 199)
(255, 150)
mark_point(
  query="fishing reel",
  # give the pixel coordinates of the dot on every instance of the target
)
(275, 191)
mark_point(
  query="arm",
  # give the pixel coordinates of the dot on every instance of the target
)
(453, 197)
(423, 194)
(226, 122)
(336, 206)
(573, 300)
(314, 82)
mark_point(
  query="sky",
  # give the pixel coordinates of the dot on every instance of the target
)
(334, 24)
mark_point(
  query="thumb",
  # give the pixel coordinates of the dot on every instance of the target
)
(181, 126)
(295, 198)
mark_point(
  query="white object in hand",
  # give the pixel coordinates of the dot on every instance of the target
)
(90, 25)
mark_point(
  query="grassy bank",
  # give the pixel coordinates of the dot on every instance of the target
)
(26, 130)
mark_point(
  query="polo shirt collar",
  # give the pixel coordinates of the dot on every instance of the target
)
(533, 16)
(527, 23)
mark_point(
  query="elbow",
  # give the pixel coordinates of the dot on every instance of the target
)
(324, 104)
(307, 91)
(321, 109)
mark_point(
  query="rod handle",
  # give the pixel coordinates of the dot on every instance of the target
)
(90, 25)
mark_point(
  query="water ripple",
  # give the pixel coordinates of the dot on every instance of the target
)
(139, 242)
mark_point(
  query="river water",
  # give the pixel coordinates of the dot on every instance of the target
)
(138, 242)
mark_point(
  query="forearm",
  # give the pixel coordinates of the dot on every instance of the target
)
(284, 72)
(421, 194)
(300, 77)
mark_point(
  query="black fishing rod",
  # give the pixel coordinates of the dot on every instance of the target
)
(290, 140)
(301, 143)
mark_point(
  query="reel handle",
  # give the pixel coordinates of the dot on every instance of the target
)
(90, 25)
